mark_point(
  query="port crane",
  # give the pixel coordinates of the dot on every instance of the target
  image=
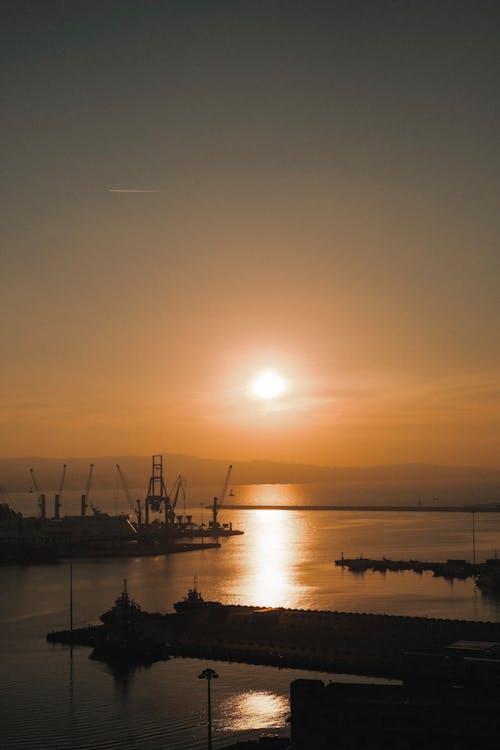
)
(178, 486)
(134, 507)
(217, 501)
(40, 495)
(85, 497)
(157, 494)
(58, 496)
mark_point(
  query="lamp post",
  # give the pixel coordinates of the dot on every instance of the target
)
(474, 542)
(209, 675)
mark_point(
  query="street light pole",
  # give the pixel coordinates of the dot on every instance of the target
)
(208, 675)
(71, 590)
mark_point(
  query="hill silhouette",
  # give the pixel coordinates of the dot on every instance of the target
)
(15, 476)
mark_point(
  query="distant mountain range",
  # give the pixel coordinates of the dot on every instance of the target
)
(15, 476)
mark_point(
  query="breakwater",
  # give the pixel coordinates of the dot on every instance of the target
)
(487, 508)
(346, 642)
(450, 569)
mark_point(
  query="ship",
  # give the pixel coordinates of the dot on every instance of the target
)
(194, 601)
(212, 530)
(124, 614)
(98, 527)
(123, 639)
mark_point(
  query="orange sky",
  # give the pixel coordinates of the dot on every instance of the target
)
(323, 206)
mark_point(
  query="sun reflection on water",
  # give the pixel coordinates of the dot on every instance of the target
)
(256, 709)
(270, 577)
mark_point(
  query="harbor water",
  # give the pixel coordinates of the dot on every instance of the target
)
(54, 697)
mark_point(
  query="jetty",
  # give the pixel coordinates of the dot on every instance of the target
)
(334, 642)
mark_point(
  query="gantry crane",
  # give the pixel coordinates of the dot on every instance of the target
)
(217, 501)
(157, 494)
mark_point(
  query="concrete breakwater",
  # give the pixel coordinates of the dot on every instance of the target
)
(479, 508)
(347, 642)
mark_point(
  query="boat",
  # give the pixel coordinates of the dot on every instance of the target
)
(213, 530)
(98, 527)
(125, 612)
(194, 601)
(122, 639)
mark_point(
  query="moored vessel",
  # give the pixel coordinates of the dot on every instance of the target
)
(194, 601)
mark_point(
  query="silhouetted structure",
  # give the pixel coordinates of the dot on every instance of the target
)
(392, 717)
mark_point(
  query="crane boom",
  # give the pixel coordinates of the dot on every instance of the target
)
(217, 502)
(125, 488)
(63, 477)
(85, 496)
(57, 498)
(179, 485)
(41, 496)
(226, 483)
(89, 480)
(35, 483)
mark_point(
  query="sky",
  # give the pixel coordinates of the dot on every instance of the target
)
(196, 192)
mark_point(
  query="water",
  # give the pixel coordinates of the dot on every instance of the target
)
(54, 698)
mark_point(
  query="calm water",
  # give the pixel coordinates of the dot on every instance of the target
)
(52, 698)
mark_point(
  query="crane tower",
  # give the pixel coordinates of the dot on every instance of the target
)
(157, 491)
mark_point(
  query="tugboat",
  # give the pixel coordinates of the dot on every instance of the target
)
(124, 614)
(194, 601)
(123, 641)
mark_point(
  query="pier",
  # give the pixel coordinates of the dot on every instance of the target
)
(341, 642)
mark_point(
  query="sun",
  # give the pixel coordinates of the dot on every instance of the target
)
(268, 385)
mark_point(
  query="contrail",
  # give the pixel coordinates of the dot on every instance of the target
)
(130, 190)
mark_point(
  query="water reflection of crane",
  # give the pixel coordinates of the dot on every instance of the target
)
(217, 502)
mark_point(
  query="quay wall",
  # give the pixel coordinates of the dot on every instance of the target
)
(332, 641)
(366, 644)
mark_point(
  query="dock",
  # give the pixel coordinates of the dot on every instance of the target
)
(334, 642)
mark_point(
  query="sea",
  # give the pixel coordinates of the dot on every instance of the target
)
(55, 697)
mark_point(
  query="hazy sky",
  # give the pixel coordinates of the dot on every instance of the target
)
(317, 194)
